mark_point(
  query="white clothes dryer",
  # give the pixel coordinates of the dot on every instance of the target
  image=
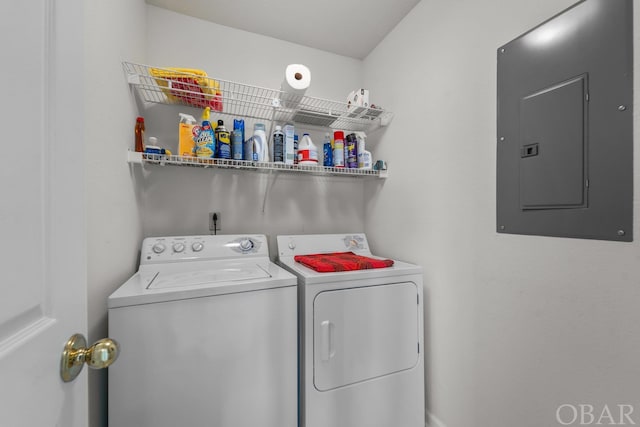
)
(208, 335)
(361, 338)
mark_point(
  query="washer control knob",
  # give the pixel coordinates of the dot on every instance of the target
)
(159, 248)
(178, 247)
(197, 246)
(292, 245)
(246, 245)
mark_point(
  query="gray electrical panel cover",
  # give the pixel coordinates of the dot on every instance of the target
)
(565, 126)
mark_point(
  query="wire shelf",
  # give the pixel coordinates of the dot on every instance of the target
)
(161, 159)
(195, 89)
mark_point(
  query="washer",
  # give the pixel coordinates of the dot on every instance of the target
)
(208, 335)
(361, 338)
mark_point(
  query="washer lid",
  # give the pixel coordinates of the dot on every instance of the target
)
(177, 281)
(230, 273)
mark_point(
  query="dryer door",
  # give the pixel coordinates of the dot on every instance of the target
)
(364, 333)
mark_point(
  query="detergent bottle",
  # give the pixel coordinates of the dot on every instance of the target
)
(186, 144)
(307, 151)
(261, 143)
(205, 139)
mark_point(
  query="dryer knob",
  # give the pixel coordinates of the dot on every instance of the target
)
(246, 245)
(158, 248)
(197, 246)
(292, 245)
(178, 247)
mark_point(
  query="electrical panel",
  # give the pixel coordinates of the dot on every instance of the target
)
(565, 126)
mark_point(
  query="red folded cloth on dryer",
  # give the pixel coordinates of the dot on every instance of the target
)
(341, 261)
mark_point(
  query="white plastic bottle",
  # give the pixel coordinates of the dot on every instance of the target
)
(261, 145)
(307, 151)
(364, 156)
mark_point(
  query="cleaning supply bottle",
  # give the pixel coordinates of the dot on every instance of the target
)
(364, 156)
(237, 140)
(327, 151)
(260, 141)
(139, 132)
(205, 139)
(307, 151)
(338, 149)
(295, 149)
(289, 131)
(237, 145)
(249, 151)
(152, 147)
(255, 155)
(278, 148)
(186, 144)
(238, 124)
(223, 141)
(351, 151)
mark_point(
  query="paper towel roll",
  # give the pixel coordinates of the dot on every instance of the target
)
(297, 79)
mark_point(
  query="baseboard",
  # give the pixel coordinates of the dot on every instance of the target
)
(433, 421)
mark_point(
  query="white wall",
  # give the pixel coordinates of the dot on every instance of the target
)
(515, 325)
(126, 203)
(176, 40)
(114, 32)
(176, 201)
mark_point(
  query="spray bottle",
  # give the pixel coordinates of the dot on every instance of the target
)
(223, 141)
(205, 139)
(338, 149)
(351, 151)
(364, 156)
(327, 151)
(237, 140)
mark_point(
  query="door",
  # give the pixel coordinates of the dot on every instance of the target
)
(364, 333)
(42, 250)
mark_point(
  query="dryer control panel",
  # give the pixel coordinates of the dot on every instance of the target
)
(200, 248)
(289, 246)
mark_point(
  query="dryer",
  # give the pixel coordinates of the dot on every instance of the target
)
(208, 336)
(360, 338)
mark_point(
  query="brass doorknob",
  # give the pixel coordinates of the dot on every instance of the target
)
(75, 354)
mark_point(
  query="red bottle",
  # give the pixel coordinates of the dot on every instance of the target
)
(139, 134)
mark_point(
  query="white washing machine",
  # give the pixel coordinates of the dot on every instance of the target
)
(361, 338)
(208, 336)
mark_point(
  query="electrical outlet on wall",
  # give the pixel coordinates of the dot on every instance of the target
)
(214, 222)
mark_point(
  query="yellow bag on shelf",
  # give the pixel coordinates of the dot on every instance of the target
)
(189, 86)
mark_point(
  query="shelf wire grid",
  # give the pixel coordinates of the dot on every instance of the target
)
(169, 86)
(162, 159)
